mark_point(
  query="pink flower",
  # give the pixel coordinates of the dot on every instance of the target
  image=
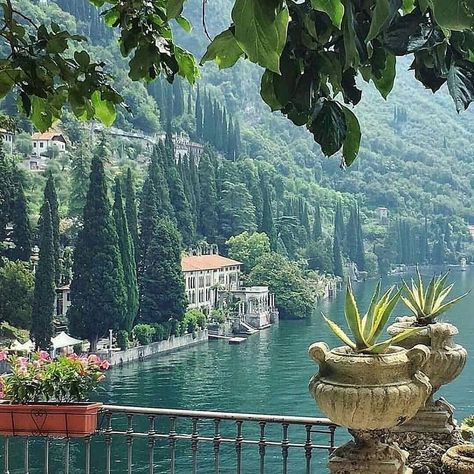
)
(22, 362)
(3, 355)
(43, 355)
(22, 370)
(105, 364)
(73, 356)
(93, 359)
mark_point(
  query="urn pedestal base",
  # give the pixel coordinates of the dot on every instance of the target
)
(368, 453)
(434, 417)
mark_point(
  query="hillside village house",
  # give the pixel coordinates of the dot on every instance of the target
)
(42, 142)
(205, 275)
(7, 137)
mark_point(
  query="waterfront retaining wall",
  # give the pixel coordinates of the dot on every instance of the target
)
(141, 352)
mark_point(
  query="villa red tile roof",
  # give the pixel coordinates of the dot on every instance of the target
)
(46, 136)
(206, 262)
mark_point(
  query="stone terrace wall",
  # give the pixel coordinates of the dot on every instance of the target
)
(141, 352)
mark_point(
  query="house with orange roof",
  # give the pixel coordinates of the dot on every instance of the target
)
(42, 142)
(206, 275)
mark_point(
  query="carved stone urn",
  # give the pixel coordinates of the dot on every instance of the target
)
(445, 362)
(459, 459)
(369, 394)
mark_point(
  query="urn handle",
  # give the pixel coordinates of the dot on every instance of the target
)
(318, 352)
(418, 356)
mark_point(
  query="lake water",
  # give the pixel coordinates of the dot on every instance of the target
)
(267, 374)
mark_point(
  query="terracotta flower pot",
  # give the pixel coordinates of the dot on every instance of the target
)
(369, 392)
(459, 459)
(446, 360)
(74, 420)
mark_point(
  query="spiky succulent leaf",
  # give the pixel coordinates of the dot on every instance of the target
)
(384, 313)
(353, 317)
(442, 309)
(339, 333)
(368, 320)
(381, 347)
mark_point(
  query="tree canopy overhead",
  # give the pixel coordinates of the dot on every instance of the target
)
(312, 52)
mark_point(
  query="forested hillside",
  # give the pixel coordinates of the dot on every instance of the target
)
(415, 157)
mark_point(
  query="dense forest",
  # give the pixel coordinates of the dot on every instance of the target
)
(415, 164)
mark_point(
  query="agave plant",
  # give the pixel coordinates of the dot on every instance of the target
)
(428, 305)
(367, 329)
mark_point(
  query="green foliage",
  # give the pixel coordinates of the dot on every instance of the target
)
(207, 216)
(45, 288)
(248, 248)
(131, 209)
(144, 333)
(429, 304)
(65, 379)
(98, 297)
(16, 294)
(162, 289)
(294, 298)
(21, 234)
(193, 320)
(127, 254)
(319, 256)
(79, 172)
(123, 339)
(367, 329)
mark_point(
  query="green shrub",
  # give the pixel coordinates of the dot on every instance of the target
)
(218, 315)
(144, 333)
(123, 340)
(162, 332)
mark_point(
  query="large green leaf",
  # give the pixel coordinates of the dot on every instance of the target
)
(384, 83)
(188, 67)
(461, 84)
(174, 8)
(351, 144)
(261, 29)
(353, 318)
(267, 91)
(104, 109)
(352, 58)
(333, 8)
(454, 14)
(384, 12)
(329, 127)
(224, 50)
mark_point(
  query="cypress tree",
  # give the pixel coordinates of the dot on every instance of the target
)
(162, 286)
(127, 253)
(190, 101)
(45, 289)
(149, 215)
(178, 98)
(317, 227)
(181, 207)
(198, 114)
(337, 256)
(21, 237)
(351, 236)
(80, 169)
(207, 219)
(51, 196)
(339, 222)
(7, 188)
(195, 185)
(98, 297)
(268, 225)
(131, 208)
(360, 251)
(156, 174)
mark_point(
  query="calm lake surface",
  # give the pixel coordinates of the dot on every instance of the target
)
(267, 374)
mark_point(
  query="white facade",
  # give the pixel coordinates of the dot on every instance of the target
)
(205, 275)
(42, 142)
(63, 300)
(7, 138)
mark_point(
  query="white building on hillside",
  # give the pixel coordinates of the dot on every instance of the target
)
(42, 142)
(206, 275)
(7, 137)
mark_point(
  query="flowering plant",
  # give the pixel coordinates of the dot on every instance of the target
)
(41, 379)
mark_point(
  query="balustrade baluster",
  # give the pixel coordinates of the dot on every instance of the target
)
(151, 444)
(46, 456)
(108, 443)
(217, 446)
(308, 447)
(284, 447)
(87, 442)
(6, 455)
(238, 446)
(66, 455)
(194, 443)
(332, 430)
(262, 443)
(27, 456)
(172, 438)
(129, 434)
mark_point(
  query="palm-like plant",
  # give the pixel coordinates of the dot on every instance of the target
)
(366, 329)
(428, 305)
